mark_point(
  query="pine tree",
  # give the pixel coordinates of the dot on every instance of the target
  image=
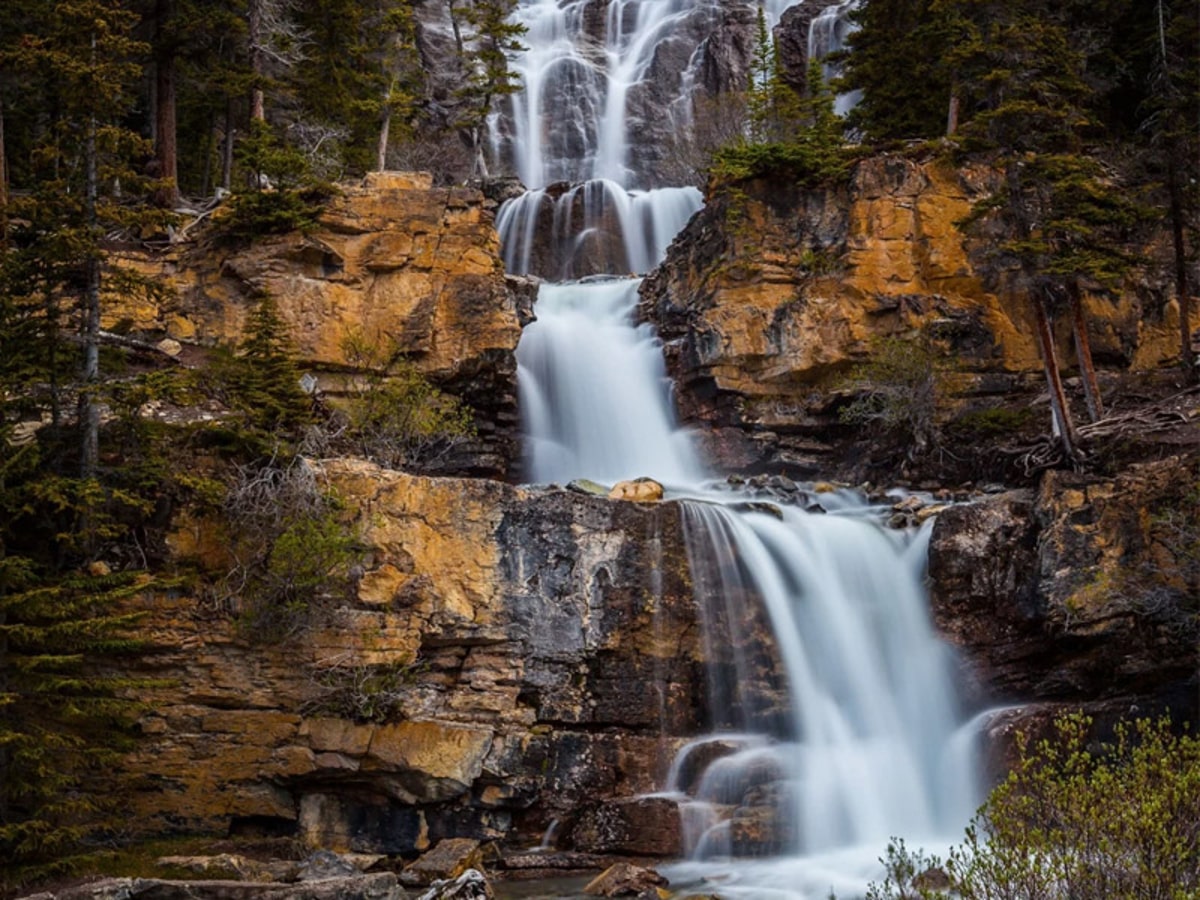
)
(80, 62)
(898, 59)
(1064, 220)
(266, 380)
(488, 75)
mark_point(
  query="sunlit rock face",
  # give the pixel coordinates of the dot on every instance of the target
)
(392, 260)
(551, 656)
(774, 290)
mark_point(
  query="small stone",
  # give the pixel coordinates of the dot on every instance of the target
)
(446, 861)
(169, 346)
(759, 506)
(625, 880)
(325, 864)
(640, 490)
(926, 513)
(587, 486)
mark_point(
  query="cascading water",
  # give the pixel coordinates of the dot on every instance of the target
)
(842, 730)
(828, 34)
(568, 134)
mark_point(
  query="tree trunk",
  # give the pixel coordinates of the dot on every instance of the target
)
(3, 183)
(952, 113)
(227, 156)
(1058, 398)
(385, 127)
(1083, 350)
(166, 151)
(1183, 287)
(254, 24)
(89, 410)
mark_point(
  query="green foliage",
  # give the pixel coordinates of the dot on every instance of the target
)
(898, 60)
(361, 693)
(909, 875)
(996, 422)
(60, 719)
(292, 552)
(803, 138)
(283, 195)
(397, 418)
(1119, 820)
(263, 380)
(901, 389)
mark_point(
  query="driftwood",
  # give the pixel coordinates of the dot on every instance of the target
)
(1047, 453)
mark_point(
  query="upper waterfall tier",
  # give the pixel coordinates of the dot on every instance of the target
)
(595, 76)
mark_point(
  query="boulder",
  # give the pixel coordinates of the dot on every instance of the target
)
(627, 880)
(445, 862)
(1078, 591)
(470, 885)
(641, 826)
(639, 490)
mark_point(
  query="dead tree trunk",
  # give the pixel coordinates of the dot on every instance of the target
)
(1083, 350)
(1063, 423)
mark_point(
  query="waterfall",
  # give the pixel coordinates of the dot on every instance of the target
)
(827, 34)
(836, 724)
(568, 134)
(594, 394)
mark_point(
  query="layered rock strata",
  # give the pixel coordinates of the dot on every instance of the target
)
(1082, 592)
(548, 654)
(775, 290)
(393, 262)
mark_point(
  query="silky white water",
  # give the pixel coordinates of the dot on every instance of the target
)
(844, 724)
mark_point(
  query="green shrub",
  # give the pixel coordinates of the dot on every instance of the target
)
(1119, 821)
(398, 418)
(292, 552)
(901, 389)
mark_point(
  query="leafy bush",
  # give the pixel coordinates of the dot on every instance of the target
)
(292, 553)
(901, 389)
(397, 418)
(1119, 821)
(283, 195)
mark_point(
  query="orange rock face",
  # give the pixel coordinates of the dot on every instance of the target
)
(393, 260)
(774, 291)
(542, 647)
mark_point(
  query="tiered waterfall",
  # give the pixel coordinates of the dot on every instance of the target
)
(865, 743)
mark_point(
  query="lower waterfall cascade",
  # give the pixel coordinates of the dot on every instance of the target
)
(870, 743)
(860, 738)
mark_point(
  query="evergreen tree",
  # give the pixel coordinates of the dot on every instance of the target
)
(488, 75)
(81, 59)
(1169, 127)
(898, 59)
(1057, 204)
(266, 380)
(361, 75)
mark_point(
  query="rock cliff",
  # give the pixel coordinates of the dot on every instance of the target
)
(775, 290)
(539, 648)
(393, 260)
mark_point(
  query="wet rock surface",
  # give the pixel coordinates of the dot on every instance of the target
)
(1080, 591)
(548, 653)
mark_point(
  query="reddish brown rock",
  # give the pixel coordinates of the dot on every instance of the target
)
(646, 826)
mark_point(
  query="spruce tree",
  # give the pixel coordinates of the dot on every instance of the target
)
(1059, 206)
(488, 75)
